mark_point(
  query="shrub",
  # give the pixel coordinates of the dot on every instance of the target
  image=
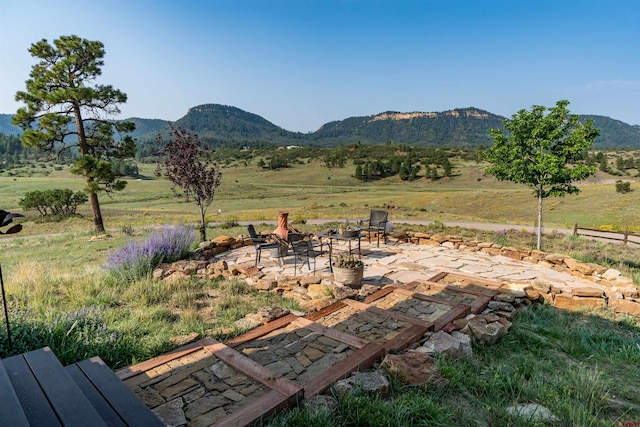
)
(231, 223)
(623, 186)
(136, 259)
(57, 202)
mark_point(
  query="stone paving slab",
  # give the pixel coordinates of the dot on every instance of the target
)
(430, 287)
(208, 383)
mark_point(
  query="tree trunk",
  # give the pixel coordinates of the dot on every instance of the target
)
(84, 150)
(97, 215)
(539, 218)
(203, 225)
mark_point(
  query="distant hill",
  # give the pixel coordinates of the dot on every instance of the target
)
(6, 127)
(614, 133)
(464, 127)
(461, 127)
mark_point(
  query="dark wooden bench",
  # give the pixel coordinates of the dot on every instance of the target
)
(36, 390)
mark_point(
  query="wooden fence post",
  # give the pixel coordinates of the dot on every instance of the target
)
(626, 236)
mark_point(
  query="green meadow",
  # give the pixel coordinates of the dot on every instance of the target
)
(582, 366)
(311, 190)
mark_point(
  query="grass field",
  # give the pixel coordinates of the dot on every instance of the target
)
(582, 366)
(311, 190)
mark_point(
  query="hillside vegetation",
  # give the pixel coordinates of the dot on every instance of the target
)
(227, 126)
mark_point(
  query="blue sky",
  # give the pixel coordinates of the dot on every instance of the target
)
(302, 63)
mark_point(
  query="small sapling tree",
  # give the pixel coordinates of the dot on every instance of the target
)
(64, 113)
(190, 167)
(542, 151)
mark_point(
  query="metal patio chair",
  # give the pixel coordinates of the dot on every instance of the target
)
(377, 223)
(260, 243)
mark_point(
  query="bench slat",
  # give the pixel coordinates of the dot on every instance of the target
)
(12, 413)
(105, 410)
(32, 399)
(66, 398)
(120, 397)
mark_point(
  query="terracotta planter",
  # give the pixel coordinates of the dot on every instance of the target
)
(351, 277)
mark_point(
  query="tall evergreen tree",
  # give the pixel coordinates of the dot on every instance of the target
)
(65, 112)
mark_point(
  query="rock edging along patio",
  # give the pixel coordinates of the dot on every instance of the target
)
(609, 287)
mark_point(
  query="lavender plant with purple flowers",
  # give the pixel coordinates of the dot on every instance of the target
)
(72, 335)
(136, 259)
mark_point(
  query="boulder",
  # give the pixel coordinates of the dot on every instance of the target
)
(224, 240)
(321, 404)
(319, 291)
(267, 314)
(499, 305)
(486, 333)
(414, 368)
(587, 291)
(625, 306)
(368, 381)
(555, 258)
(532, 412)
(455, 345)
(266, 284)
(568, 302)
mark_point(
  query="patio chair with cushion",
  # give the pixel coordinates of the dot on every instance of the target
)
(260, 242)
(377, 223)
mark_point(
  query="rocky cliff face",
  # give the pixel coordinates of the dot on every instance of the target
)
(470, 112)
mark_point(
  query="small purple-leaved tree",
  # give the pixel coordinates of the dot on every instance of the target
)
(190, 167)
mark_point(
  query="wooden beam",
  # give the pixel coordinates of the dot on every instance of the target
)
(407, 337)
(335, 334)
(412, 320)
(266, 405)
(262, 330)
(379, 294)
(456, 312)
(141, 367)
(361, 359)
(325, 311)
(479, 304)
(242, 363)
(423, 297)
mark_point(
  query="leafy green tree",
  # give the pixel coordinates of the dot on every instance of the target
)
(446, 167)
(542, 151)
(433, 174)
(359, 174)
(64, 112)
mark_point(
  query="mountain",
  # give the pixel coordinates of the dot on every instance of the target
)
(614, 133)
(461, 127)
(6, 127)
(223, 123)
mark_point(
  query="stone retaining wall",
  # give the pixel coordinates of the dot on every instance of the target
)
(609, 289)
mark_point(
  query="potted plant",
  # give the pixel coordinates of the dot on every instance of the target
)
(348, 269)
(348, 231)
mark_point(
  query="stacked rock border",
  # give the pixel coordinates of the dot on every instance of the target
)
(280, 363)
